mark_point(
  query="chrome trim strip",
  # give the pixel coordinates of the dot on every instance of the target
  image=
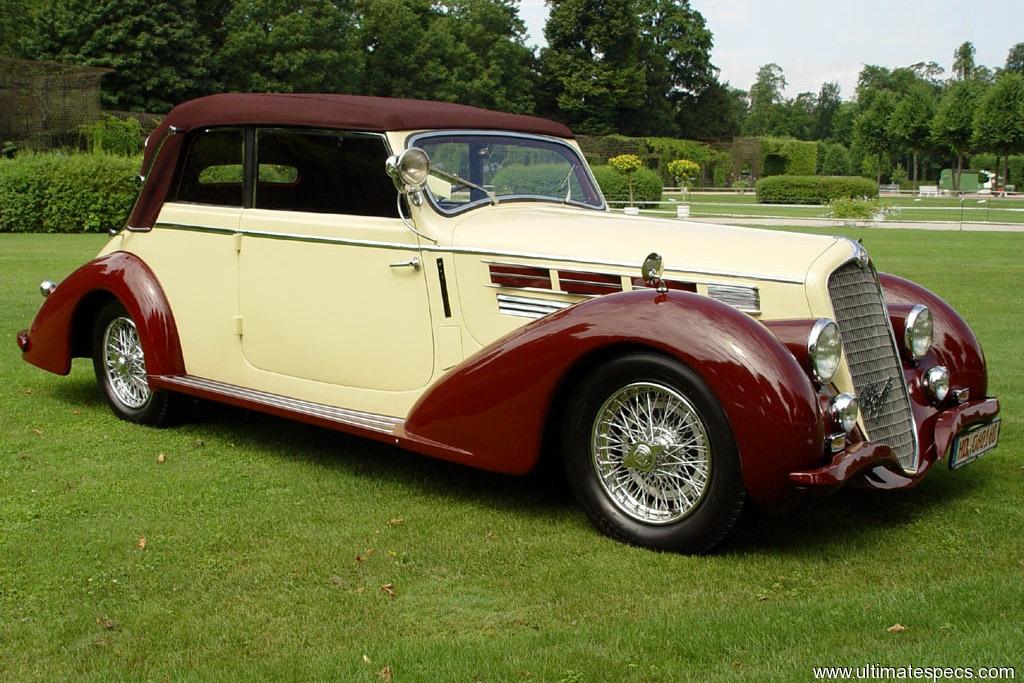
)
(378, 423)
(528, 307)
(632, 265)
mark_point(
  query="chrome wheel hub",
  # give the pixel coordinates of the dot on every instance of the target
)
(651, 453)
(124, 363)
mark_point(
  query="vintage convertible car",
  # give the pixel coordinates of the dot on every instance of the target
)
(493, 310)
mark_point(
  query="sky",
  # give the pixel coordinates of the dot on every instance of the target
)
(830, 40)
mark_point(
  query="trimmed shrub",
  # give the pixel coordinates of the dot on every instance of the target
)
(615, 186)
(792, 157)
(812, 189)
(844, 207)
(66, 193)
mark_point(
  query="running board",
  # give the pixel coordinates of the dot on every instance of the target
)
(275, 404)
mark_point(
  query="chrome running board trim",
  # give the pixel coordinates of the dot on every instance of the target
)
(377, 423)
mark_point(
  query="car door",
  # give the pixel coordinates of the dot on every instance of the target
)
(329, 284)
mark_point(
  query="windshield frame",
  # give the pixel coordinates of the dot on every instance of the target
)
(412, 141)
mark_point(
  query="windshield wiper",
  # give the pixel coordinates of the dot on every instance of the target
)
(452, 178)
(568, 185)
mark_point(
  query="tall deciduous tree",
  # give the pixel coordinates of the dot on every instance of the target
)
(765, 98)
(953, 125)
(591, 76)
(716, 114)
(871, 128)
(825, 109)
(963, 61)
(155, 47)
(1015, 59)
(999, 119)
(291, 46)
(910, 123)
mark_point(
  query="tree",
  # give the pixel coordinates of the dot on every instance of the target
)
(871, 128)
(929, 72)
(676, 57)
(765, 98)
(825, 109)
(910, 123)
(963, 61)
(953, 124)
(590, 75)
(290, 46)
(155, 47)
(842, 122)
(999, 119)
(716, 114)
(1015, 59)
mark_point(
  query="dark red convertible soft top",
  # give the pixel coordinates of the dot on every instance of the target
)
(350, 112)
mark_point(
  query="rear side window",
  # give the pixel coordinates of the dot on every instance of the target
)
(323, 172)
(212, 170)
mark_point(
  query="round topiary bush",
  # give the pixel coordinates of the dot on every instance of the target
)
(615, 186)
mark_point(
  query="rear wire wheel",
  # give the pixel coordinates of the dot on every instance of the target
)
(650, 455)
(120, 366)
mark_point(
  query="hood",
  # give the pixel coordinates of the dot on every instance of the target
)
(704, 250)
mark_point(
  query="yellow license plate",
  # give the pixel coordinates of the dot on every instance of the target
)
(973, 444)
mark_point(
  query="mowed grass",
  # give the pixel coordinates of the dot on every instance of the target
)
(903, 208)
(267, 543)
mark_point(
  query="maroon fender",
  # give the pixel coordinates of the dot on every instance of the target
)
(62, 328)
(955, 345)
(495, 404)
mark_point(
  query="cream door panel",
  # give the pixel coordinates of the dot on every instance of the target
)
(319, 300)
(191, 250)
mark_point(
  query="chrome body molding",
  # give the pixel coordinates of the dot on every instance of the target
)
(378, 423)
(528, 306)
(631, 265)
(746, 299)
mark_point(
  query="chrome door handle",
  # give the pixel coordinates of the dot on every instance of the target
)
(413, 263)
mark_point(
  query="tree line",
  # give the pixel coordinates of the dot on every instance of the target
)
(635, 67)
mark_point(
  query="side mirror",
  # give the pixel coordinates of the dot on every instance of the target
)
(651, 272)
(409, 170)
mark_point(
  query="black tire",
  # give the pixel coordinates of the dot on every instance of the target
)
(131, 401)
(620, 501)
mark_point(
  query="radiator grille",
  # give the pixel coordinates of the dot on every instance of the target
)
(874, 360)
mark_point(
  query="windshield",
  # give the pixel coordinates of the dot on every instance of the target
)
(513, 167)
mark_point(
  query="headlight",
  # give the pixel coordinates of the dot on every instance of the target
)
(844, 412)
(824, 348)
(410, 168)
(936, 381)
(917, 333)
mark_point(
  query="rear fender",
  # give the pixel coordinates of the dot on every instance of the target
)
(62, 328)
(491, 410)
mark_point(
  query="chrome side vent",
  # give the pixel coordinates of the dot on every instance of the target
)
(528, 306)
(746, 299)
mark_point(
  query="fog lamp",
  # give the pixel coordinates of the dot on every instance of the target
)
(844, 411)
(936, 382)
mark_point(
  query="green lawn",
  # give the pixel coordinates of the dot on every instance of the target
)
(268, 542)
(908, 208)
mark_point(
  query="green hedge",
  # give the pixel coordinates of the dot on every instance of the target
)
(787, 189)
(799, 157)
(657, 152)
(66, 193)
(646, 185)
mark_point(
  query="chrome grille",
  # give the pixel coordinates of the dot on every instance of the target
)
(874, 360)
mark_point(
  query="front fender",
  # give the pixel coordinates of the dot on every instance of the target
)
(490, 411)
(50, 342)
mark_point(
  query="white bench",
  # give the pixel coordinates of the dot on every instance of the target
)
(928, 191)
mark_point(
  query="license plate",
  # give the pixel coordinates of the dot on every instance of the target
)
(973, 444)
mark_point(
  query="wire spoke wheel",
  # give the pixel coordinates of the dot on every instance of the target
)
(124, 363)
(651, 453)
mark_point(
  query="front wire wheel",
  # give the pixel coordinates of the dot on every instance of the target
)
(120, 366)
(650, 455)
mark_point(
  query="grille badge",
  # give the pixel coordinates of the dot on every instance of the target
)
(872, 398)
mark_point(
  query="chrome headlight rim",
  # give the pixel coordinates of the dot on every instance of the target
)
(919, 325)
(823, 372)
(936, 383)
(844, 411)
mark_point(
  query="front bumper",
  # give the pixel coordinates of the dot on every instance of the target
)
(874, 465)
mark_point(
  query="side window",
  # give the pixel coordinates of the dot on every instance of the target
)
(323, 172)
(212, 170)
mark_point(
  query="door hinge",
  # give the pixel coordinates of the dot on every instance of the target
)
(238, 325)
(238, 241)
